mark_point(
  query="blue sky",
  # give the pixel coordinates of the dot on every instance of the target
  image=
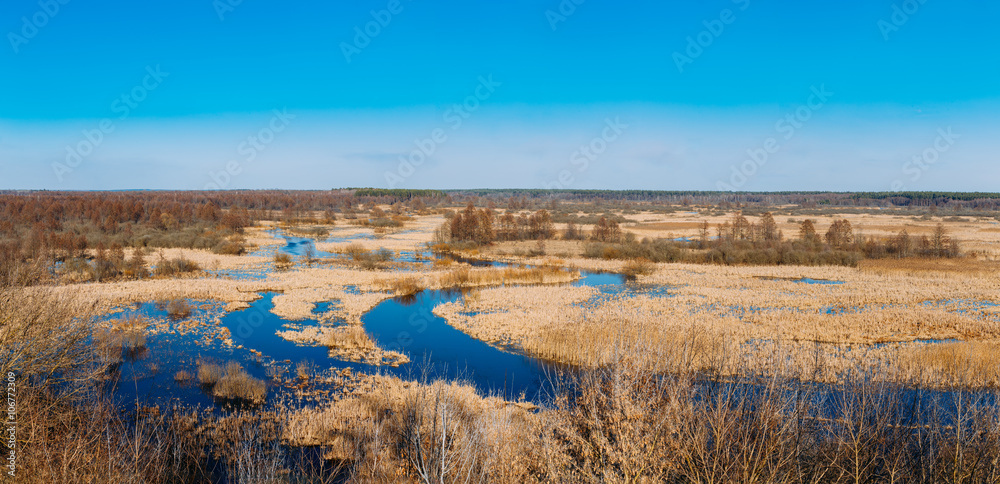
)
(261, 94)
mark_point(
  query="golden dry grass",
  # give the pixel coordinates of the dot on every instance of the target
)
(749, 312)
(468, 277)
(917, 266)
(347, 342)
(209, 373)
(233, 383)
(454, 428)
(958, 364)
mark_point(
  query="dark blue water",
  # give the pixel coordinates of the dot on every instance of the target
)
(409, 325)
(405, 324)
(146, 374)
(439, 350)
(252, 328)
(256, 327)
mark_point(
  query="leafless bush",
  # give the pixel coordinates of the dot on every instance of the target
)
(171, 267)
(43, 337)
(209, 373)
(406, 286)
(235, 245)
(178, 309)
(255, 455)
(282, 261)
(638, 267)
(305, 369)
(237, 384)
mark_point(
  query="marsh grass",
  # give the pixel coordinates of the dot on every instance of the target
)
(918, 267)
(237, 384)
(305, 369)
(646, 402)
(642, 410)
(959, 364)
(209, 373)
(315, 232)
(178, 309)
(282, 261)
(171, 267)
(467, 277)
(628, 421)
(638, 267)
(349, 338)
(406, 286)
(367, 259)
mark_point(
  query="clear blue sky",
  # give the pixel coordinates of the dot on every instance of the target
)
(894, 83)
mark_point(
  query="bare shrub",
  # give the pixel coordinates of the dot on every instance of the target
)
(638, 267)
(254, 451)
(309, 253)
(178, 309)
(274, 372)
(231, 246)
(237, 384)
(42, 337)
(305, 369)
(282, 261)
(406, 286)
(179, 265)
(209, 373)
(355, 251)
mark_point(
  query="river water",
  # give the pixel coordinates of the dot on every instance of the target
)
(407, 324)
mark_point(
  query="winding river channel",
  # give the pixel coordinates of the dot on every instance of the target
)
(407, 324)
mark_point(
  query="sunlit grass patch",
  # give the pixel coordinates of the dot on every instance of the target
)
(234, 383)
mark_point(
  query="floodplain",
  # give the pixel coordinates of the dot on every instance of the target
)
(425, 336)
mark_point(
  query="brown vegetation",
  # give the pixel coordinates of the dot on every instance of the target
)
(740, 241)
(682, 389)
(237, 384)
(467, 277)
(171, 267)
(178, 309)
(209, 373)
(282, 261)
(638, 267)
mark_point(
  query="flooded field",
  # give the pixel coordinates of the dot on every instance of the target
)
(473, 334)
(307, 343)
(405, 323)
